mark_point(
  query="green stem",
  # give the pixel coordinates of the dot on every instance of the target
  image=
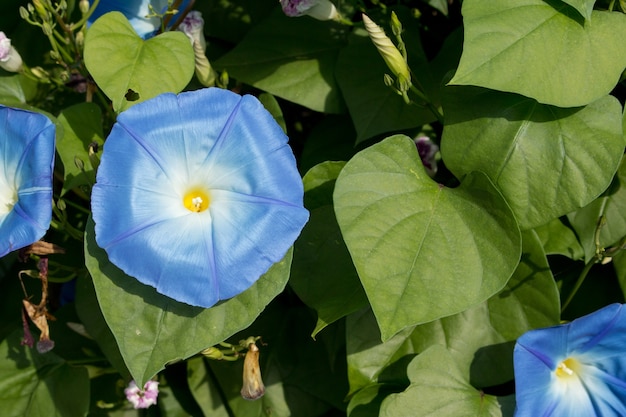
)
(84, 19)
(429, 104)
(59, 50)
(72, 204)
(579, 282)
(65, 226)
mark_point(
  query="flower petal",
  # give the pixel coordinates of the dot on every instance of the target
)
(609, 392)
(595, 344)
(241, 230)
(210, 139)
(247, 153)
(27, 149)
(601, 337)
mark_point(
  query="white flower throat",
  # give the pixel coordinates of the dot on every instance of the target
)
(8, 198)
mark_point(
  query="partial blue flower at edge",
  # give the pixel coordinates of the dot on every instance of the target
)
(26, 163)
(136, 12)
(222, 149)
(575, 369)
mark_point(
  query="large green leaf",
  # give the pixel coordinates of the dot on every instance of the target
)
(301, 70)
(545, 160)
(40, 385)
(119, 61)
(612, 207)
(82, 125)
(422, 251)
(374, 107)
(322, 273)
(480, 338)
(152, 330)
(542, 50)
(439, 388)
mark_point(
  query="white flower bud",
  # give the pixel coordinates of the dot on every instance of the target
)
(393, 58)
(10, 59)
(193, 27)
(317, 9)
(83, 5)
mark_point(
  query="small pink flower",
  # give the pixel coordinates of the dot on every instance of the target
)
(142, 398)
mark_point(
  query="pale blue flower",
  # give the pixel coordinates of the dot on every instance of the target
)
(197, 195)
(26, 160)
(136, 11)
(575, 369)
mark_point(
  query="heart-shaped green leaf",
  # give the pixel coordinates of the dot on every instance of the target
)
(542, 50)
(422, 251)
(480, 338)
(545, 160)
(130, 70)
(149, 327)
(439, 388)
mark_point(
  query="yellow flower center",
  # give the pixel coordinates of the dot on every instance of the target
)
(196, 199)
(568, 368)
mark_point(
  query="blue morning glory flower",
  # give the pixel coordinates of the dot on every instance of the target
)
(197, 195)
(26, 161)
(575, 369)
(136, 12)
